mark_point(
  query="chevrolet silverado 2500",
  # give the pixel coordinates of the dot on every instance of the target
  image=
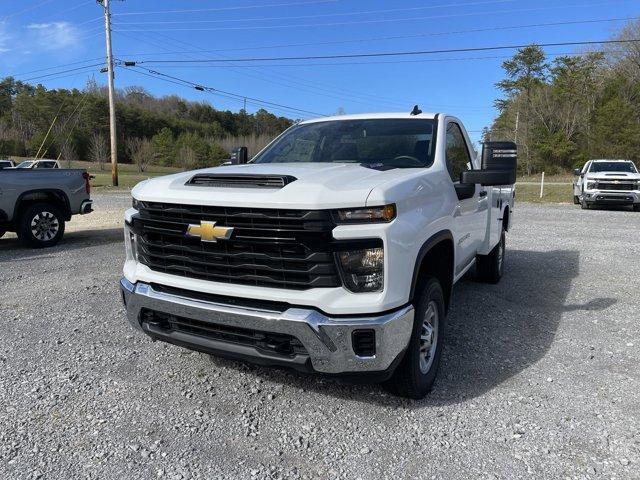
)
(607, 182)
(36, 203)
(334, 250)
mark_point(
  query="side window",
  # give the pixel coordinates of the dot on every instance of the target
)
(457, 153)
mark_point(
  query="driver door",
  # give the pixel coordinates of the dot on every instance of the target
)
(470, 215)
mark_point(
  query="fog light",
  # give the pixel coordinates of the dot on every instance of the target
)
(363, 270)
(364, 343)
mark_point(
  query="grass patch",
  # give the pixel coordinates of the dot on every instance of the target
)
(552, 193)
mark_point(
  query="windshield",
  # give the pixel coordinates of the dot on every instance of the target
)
(26, 164)
(379, 143)
(627, 167)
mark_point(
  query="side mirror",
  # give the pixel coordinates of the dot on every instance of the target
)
(499, 165)
(577, 172)
(240, 156)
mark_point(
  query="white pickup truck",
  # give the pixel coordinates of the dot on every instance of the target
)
(334, 250)
(607, 182)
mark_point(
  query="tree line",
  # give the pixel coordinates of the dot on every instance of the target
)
(565, 111)
(74, 125)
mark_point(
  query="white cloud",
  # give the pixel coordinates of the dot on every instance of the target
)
(54, 35)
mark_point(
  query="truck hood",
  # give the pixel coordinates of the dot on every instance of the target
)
(316, 186)
(613, 176)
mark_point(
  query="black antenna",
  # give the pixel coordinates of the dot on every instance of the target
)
(416, 110)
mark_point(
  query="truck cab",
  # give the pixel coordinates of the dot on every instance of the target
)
(607, 182)
(334, 250)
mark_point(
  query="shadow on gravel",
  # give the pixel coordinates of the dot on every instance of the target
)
(494, 332)
(12, 249)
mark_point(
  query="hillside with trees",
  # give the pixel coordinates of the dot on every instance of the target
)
(168, 131)
(565, 111)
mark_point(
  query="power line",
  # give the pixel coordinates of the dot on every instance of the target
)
(383, 62)
(221, 9)
(398, 37)
(288, 80)
(376, 21)
(213, 90)
(63, 71)
(396, 54)
(218, 94)
(28, 9)
(321, 15)
(57, 66)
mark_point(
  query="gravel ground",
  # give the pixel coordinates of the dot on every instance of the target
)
(540, 378)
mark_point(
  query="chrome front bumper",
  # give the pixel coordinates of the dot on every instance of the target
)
(327, 340)
(612, 196)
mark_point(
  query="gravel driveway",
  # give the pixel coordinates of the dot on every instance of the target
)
(540, 379)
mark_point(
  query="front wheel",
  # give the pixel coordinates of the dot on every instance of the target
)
(636, 208)
(41, 225)
(584, 205)
(576, 200)
(490, 267)
(417, 372)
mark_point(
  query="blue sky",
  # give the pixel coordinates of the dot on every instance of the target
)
(39, 34)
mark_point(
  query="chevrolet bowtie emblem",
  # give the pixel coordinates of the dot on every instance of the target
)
(208, 232)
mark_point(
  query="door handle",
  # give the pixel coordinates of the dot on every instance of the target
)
(483, 193)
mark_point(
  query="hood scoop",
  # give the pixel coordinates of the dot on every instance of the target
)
(234, 180)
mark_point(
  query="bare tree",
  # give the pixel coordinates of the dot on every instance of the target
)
(187, 157)
(98, 149)
(68, 153)
(141, 152)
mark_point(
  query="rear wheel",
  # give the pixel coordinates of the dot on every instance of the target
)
(417, 372)
(41, 225)
(490, 267)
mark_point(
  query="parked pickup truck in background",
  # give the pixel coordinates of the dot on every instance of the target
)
(33, 164)
(6, 164)
(335, 250)
(36, 203)
(607, 182)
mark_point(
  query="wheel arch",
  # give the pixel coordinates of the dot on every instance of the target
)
(436, 257)
(51, 195)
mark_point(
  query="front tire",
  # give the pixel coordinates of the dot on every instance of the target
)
(636, 208)
(41, 225)
(417, 372)
(584, 205)
(491, 267)
(576, 200)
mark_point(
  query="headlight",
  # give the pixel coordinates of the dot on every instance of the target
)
(363, 270)
(383, 214)
(135, 203)
(592, 185)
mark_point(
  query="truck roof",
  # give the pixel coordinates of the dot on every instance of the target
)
(371, 116)
(612, 160)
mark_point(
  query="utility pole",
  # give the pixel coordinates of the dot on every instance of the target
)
(112, 102)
